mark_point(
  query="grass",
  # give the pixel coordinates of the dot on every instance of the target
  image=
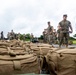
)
(74, 41)
(27, 39)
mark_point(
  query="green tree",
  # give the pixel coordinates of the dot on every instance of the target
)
(28, 36)
(41, 37)
(21, 37)
(74, 35)
(71, 38)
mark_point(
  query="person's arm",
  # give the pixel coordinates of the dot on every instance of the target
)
(71, 28)
(59, 25)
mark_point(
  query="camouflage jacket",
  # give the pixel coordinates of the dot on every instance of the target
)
(49, 30)
(65, 26)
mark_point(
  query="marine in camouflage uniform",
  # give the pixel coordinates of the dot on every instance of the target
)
(2, 36)
(58, 33)
(49, 33)
(12, 35)
(64, 33)
(8, 35)
(45, 36)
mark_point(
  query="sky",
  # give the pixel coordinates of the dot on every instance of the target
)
(31, 16)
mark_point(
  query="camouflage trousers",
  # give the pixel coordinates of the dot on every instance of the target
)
(63, 38)
(50, 39)
(45, 38)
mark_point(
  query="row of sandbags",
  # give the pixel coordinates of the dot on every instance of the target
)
(21, 57)
(56, 61)
(41, 51)
(27, 57)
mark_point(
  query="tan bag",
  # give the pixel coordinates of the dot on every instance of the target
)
(40, 45)
(15, 50)
(4, 44)
(62, 62)
(18, 64)
(42, 50)
(10, 43)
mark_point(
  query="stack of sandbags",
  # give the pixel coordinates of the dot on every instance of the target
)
(41, 49)
(4, 44)
(15, 60)
(15, 43)
(62, 62)
(10, 43)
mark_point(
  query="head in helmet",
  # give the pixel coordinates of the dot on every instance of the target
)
(48, 23)
(65, 17)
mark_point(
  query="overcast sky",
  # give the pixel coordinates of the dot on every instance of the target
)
(31, 16)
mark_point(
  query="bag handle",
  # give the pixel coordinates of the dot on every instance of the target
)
(17, 65)
(11, 53)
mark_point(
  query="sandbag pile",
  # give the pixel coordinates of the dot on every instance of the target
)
(22, 57)
(14, 59)
(62, 62)
(40, 48)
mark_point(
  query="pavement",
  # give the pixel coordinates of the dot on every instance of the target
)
(56, 45)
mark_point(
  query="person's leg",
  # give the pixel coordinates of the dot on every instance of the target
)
(48, 39)
(51, 39)
(61, 39)
(66, 39)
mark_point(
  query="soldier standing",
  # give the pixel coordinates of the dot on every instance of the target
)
(58, 33)
(49, 33)
(64, 33)
(8, 36)
(45, 35)
(2, 36)
(12, 35)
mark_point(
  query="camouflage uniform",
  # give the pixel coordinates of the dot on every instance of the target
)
(54, 34)
(12, 35)
(2, 36)
(64, 33)
(45, 36)
(8, 36)
(58, 35)
(49, 34)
